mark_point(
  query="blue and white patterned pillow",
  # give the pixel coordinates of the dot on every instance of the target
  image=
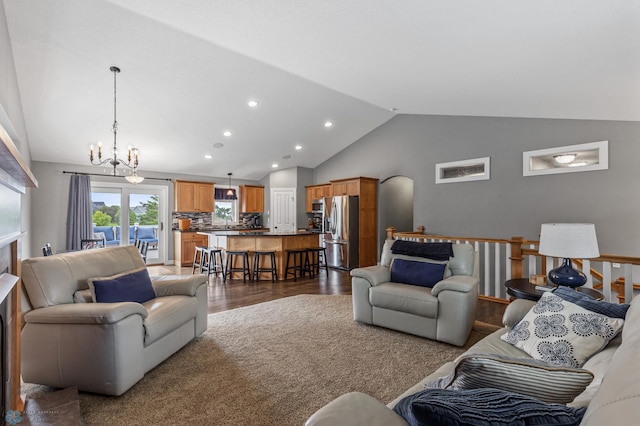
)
(562, 333)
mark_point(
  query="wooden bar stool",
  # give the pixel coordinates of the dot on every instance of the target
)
(230, 268)
(317, 260)
(199, 258)
(257, 255)
(300, 263)
(213, 264)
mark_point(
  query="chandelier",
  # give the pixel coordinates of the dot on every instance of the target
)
(132, 153)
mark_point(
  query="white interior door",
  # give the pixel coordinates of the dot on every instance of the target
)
(283, 209)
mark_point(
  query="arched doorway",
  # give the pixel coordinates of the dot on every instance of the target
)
(396, 206)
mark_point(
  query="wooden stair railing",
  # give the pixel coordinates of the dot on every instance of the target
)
(521, 258)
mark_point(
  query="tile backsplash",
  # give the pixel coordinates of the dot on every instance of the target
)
(201, 221)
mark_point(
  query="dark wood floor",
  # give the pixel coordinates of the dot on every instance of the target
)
(235, 293)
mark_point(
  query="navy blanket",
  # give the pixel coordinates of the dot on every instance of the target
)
(435, 251)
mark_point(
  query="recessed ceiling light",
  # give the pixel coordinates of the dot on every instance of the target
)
(252, 103)
(208, 156)
(298, 147)
(286, 157)
(218, 145)
(274, 165)
(227, 133)
(328, 123)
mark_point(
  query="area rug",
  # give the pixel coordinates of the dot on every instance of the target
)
(274, 363)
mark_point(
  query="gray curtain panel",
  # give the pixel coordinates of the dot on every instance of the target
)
(79, 215)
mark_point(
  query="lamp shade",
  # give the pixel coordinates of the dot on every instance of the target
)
(569, 240)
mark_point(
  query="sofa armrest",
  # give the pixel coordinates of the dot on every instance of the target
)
(85, 313)
(459, 283)
(178, 285)
(355, 409)
(374, 274)
(516, 310)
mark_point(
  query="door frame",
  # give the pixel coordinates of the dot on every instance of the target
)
(125, 191)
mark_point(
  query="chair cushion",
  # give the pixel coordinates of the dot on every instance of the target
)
(546, 382)
(562, 333)
(405, 298)
(424, 274)
(483, 407)
(133, 286)
(107, 230)
(462, 261)
(145, 232)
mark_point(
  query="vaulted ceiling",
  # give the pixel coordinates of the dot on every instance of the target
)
(190, 67)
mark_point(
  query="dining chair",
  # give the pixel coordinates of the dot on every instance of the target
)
(92, 243)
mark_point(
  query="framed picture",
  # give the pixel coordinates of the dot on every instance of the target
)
(566, 159)
(462, 171)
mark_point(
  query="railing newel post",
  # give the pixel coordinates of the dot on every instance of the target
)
(516, 256)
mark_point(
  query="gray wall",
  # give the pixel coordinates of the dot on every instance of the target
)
(508, 204)
(293, 177)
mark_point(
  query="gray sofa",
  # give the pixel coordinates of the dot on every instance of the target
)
(612, 398)
(445, 312)
(68, 340)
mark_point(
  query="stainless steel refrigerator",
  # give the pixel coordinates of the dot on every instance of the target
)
(341, 237)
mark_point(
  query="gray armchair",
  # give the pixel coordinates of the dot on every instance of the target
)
(69, 340)
(445, 312)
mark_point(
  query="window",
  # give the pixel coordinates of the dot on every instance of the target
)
(566, 159)
(225, 206)
(465, 170)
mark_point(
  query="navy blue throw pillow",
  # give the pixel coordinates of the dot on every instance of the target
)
(483, 407)
(133, 287)
(424, 274)
(608, 309)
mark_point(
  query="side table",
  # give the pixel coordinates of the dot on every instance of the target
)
(521, 288)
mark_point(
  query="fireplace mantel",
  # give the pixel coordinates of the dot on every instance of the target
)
(15, 178)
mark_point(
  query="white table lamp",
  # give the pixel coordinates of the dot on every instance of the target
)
(568, 240)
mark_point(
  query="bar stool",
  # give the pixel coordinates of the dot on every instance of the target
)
(230, 269)
(198, 258)
(317, 260)
(257, 255)
(213, 262)
(300, 263)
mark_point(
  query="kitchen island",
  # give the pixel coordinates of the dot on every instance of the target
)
(251, 241)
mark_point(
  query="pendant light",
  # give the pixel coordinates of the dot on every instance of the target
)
(229, 191)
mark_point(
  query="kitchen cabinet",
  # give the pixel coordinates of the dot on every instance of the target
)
(184, 244)
(193, 196)
(345, 187)
(316, 192)
(366, 189)
(251, 199)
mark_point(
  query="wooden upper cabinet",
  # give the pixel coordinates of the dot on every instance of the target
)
(309, 199)
(345, 187)
(251, 199)
(193, 196)
(316, 192)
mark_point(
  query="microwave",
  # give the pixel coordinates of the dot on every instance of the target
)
(317, 206)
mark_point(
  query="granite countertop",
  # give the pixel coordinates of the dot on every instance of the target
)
(258, 233)
(220, 230)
